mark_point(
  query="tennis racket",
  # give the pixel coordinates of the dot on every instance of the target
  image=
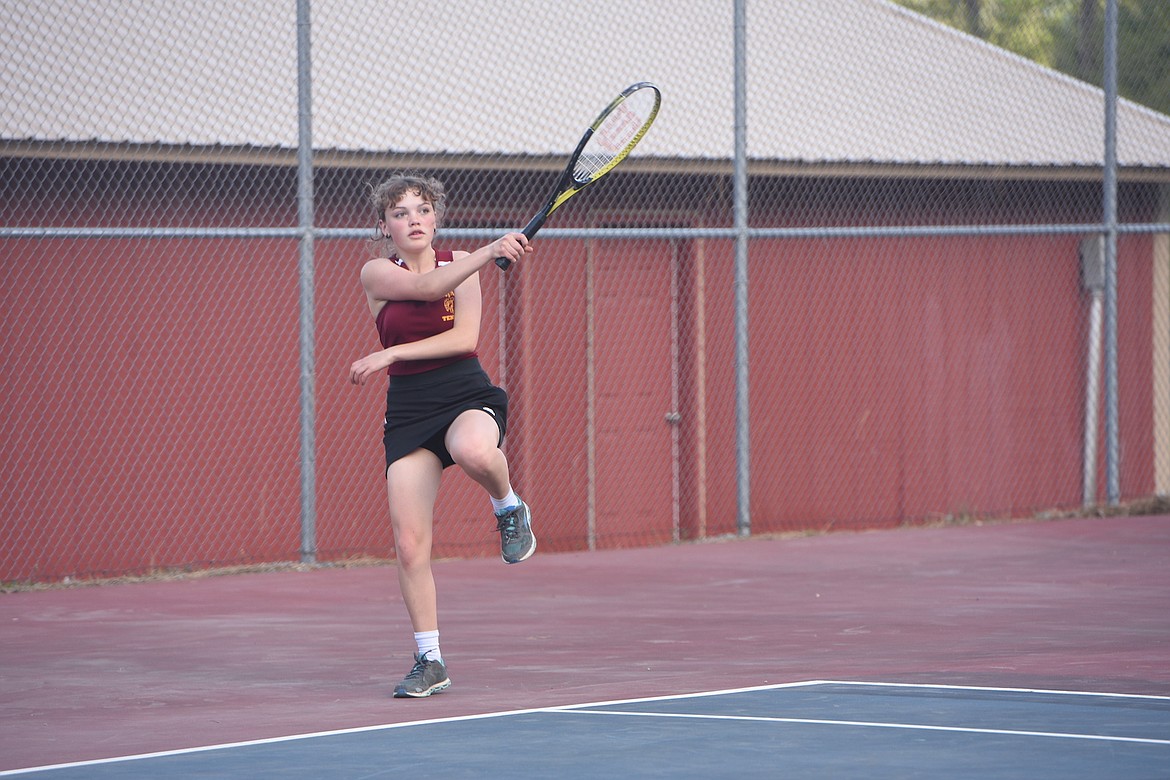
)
(606, 143)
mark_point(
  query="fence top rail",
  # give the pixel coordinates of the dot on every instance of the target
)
(891, 231)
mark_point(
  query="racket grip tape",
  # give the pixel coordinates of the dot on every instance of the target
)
(529, 231)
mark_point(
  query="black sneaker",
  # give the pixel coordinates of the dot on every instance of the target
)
(516, 540)
(425, 678)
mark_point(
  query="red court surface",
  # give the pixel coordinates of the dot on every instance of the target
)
(95, 672)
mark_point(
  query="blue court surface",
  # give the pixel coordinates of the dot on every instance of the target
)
(816, 729)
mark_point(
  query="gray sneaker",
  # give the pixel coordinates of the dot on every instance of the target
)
(425, 678)
(516, 540)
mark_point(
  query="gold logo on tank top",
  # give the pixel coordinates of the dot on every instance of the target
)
(449, 305)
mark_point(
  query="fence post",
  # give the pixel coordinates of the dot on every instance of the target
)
(307, 326)
(740, 207)
(1109, 180)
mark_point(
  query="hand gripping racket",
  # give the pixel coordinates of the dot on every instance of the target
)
(606, 143)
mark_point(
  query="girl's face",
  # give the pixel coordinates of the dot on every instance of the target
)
(410, 223)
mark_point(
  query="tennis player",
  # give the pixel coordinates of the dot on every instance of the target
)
(441, 407)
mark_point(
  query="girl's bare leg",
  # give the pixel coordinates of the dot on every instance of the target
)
(412, 485)
(473, 441)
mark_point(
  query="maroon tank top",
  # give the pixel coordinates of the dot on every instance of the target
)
(402, 322)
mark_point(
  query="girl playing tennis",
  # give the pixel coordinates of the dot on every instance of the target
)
(441, 407)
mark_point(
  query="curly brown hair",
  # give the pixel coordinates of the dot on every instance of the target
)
(389, 192)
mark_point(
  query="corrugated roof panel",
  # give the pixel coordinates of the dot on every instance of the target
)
(534, 77)
(861, 80)
(831, 81)
(191, 73)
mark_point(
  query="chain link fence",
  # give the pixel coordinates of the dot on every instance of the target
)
(893, 282)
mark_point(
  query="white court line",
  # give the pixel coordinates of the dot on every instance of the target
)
(385, 727)
(266, 741)
(587, 708)
(868, 724)
(991, 689)
(580, 707)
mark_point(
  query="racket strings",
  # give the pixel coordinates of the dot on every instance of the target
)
(615, 135)
(591, 163)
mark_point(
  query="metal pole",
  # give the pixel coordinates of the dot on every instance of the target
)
(740, 206)
(1092, 403)
(307, 326)
(1112, 435)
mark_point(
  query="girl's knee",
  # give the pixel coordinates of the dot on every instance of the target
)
(411, 555)
(411, 548)
(476, 458)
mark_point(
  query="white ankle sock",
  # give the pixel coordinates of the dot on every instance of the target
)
(507, 502)
(428, 643)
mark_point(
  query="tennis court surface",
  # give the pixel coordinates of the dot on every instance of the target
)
(1037, 650)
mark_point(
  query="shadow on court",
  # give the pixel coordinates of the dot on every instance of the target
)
(1051, 609)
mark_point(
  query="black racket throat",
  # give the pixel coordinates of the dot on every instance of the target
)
(566, 184)
(614, 140)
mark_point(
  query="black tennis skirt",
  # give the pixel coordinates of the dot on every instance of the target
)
(420, 407)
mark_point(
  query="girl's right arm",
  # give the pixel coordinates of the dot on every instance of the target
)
(384, 280)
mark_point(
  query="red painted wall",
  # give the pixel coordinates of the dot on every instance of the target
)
(151, 390)
(146, 410)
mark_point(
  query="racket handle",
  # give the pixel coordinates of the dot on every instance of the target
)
(529, 231)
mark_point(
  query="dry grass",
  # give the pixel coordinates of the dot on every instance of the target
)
(190, 572)
(1154, 505)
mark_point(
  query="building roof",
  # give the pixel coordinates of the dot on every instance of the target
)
(860, 82)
